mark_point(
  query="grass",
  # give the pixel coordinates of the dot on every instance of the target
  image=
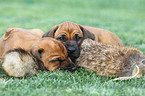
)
(125, 18)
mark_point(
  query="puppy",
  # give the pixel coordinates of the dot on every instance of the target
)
(71, 35)
(49, 54)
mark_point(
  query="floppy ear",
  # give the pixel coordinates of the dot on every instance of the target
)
(62, 48)
(8, 33)
(87, 34)
(51, 32)
(36, 54)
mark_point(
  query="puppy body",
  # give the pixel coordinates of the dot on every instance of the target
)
(36, 32)
(14, 38)
(104, 36)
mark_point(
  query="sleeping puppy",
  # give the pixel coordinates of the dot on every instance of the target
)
(71, 35)
(48, 53)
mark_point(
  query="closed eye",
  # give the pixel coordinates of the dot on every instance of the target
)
(58, 59)
(53, 61)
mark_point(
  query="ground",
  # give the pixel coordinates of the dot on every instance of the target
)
(125, 18)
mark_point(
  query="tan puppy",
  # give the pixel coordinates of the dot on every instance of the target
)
(47, 52)
(71, 35)
(36, 32)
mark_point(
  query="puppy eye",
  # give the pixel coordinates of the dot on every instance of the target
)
(58, 59)
(77, 37)
(62, 38)
(59, 38)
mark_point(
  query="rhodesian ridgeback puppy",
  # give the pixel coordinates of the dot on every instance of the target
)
(48, 53)
(72, 34)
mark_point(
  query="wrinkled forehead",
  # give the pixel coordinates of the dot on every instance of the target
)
(68, 28)
(55, 48)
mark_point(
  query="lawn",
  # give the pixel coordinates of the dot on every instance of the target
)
(125, 18)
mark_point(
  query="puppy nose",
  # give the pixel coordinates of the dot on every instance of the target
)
(71, 49)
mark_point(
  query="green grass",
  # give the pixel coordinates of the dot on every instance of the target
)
(125, 18)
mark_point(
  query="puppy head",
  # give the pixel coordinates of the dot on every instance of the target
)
(68, 28)
(71, 35)
(52, 54)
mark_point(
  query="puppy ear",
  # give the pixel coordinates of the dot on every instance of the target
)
(87, 34)
(62, 48)
(51, 32)
(36, 54)
(8, 33)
